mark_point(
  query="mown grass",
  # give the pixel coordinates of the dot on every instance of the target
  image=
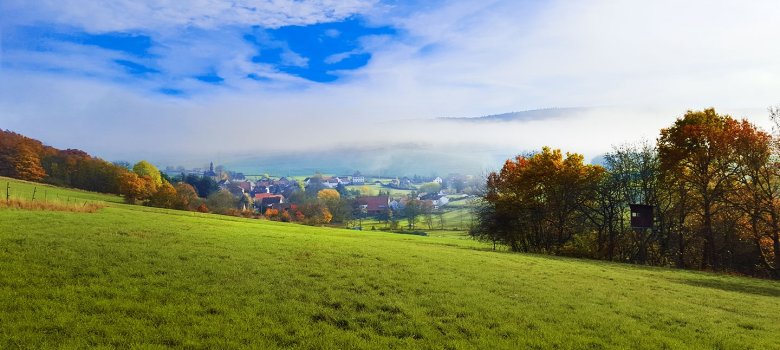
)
(129, 276)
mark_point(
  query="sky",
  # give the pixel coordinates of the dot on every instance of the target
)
(181, 82)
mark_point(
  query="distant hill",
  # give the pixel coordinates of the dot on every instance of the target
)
(535, 114)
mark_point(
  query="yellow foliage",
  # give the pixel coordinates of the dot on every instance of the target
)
(328, 195)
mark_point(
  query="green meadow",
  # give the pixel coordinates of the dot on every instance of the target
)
(130, 276)
(25, 190)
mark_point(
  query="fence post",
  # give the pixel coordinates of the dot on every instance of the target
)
(35, 189)
(7, 192)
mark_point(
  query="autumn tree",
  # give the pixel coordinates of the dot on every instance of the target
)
(186, 197)
(20, 157)
(164, 197)
(758, 194)
(535, 203)
(144, 168)
(135, 188)
(700, 151)
(27, 165)
(328, 195)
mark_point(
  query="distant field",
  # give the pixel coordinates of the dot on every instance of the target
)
(131, 276)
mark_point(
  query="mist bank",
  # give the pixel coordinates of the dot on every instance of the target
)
(286, 137)
(390, 160)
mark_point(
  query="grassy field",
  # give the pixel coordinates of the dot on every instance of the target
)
(129, 276)
(455, 219)
(24, 190)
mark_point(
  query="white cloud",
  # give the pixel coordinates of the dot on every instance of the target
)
(649, 61)
(156, 15)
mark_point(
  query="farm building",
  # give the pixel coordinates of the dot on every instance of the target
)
(374, 205)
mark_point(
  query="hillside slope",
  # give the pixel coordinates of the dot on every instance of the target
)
(135, 276)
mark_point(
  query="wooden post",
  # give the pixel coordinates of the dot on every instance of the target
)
(7, 192)
(35, 189)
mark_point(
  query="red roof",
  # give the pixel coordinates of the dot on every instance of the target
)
(264, 195)
(375, 203)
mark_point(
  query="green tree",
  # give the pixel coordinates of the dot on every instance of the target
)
(430, 188)
(246, 202)
(144, 168)
(221, 202)
(412, 210)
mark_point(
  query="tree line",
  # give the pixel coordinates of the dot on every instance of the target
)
(713, 182)
(28, 159)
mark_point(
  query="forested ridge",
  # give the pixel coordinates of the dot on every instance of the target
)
(28, 159)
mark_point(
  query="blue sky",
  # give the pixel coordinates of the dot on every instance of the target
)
(317, 51)
(139, 77)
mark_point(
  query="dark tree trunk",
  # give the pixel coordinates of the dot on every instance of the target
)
(709, 243)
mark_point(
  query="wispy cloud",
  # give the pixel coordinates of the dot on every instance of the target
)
(645, 61)
(153, 16)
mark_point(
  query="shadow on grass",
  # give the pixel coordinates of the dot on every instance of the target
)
(733, 287)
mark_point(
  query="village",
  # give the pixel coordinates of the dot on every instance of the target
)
(363, 200)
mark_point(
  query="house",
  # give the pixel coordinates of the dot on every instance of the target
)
(438, 180)
(282, 207)
(344, 180)
(267, 200)
(436, 200)
(358, 180)
(332, 182)
(245, 185)
(260, 189)
(374, 205)
(263, 183)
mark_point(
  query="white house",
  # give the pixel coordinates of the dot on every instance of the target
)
(358, 180)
